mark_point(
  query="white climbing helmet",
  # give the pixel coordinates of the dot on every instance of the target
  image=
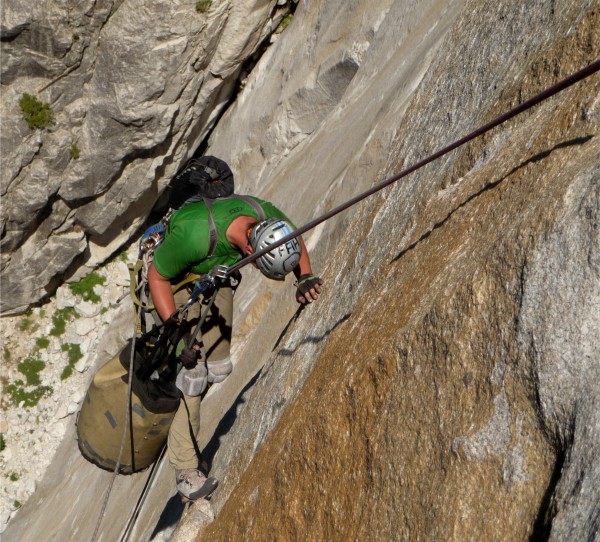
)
(283, 258)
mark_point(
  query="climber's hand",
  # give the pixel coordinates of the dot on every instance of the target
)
(189, 356)
(309, 288)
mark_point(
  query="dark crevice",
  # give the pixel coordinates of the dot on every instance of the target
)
(32, 227)
(490, 186)
(314, 339)
(287, 326)
(160, 206)
(227, 422)
(244, 71)
(542, 525)
(7, 38)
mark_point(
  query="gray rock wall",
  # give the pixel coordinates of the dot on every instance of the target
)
(136, 89)
(558, 329)
(445, 386)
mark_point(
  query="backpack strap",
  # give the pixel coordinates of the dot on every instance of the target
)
(253, 203)
(213, 236)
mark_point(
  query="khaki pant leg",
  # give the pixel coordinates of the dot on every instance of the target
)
(216, 339)
(181, 448)
(216, 332)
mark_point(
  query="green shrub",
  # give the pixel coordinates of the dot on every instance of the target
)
(13, 476)
(2, 442)
(74, 355)
(17, 504)
(24, 324)
(7, 354)
(73, 352)
(284, 22)
(74, 151)
(41, 343)
(60, 319)
(85, 287)
(30, 368)
(37, 114)
(203, 5)
(18, 394)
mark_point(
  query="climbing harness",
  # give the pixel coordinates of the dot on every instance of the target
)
(151, 240)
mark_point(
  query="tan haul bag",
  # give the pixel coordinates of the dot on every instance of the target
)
(102, 415)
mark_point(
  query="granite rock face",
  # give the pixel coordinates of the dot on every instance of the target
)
(134, 90)
(446, 385)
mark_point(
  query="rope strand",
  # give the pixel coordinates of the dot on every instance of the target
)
(124, 437)
(551, 91)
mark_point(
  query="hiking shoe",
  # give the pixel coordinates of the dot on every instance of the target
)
(193, 485)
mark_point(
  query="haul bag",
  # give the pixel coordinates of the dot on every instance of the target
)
(102, 415)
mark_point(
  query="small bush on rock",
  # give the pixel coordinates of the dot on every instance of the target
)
(37, 114)
(60, 319)
(18, 394)
(25, 324)
(74, 150)
(30, 368)
(41, 343)
(74, 354)
(85, 287)
(203, 5)
(284, 23)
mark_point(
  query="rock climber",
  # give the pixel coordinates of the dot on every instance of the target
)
(238, 226)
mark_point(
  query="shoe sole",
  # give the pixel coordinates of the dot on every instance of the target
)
(205, 491)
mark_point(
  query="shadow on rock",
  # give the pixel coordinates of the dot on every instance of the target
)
(226, 424)
(169, 517)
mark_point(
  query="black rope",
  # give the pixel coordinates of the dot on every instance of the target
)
(551, 91)
(140, 502)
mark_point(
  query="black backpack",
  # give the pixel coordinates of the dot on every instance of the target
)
(204, 177)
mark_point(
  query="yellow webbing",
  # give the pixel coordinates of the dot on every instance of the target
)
(133, 272)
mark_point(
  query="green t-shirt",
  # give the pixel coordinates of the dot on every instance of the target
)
(186, 244)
